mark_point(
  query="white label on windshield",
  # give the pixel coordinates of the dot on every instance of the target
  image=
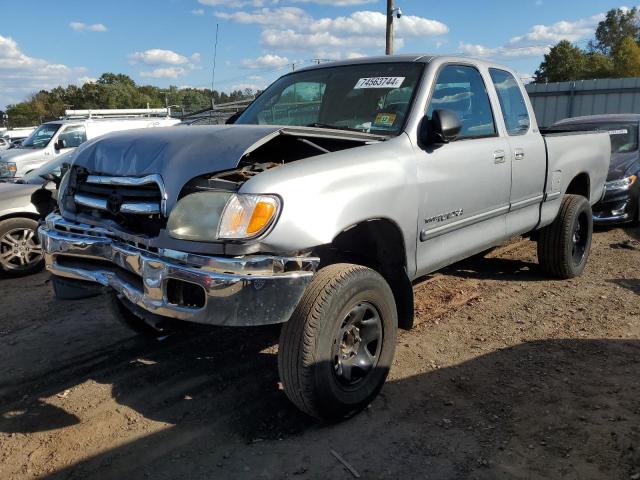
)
(618, 132)
(379, 82)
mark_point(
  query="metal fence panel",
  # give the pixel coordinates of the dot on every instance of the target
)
(555, 101)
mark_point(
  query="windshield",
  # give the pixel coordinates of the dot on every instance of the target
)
(624, 136)
(54, 167)
(373, 98)
(41, 136)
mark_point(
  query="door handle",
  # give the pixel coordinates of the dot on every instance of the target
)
(499, 156)
(519, 154)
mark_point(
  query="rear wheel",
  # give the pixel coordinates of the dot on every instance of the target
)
(564, 246)
(337, 348)
(20, 250)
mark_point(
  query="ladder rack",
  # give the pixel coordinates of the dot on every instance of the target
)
(118, 113)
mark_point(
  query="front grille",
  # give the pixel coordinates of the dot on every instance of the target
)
(134, 203)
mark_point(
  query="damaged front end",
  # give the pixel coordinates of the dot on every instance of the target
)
(143, 236)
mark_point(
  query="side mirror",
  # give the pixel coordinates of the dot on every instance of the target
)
(444, 127)
(60, 144)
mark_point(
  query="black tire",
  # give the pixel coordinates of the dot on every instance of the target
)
(564, 246)
(312, 362)
(20, 250)
(124, 312)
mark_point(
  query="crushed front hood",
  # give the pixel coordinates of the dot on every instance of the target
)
(178, 154)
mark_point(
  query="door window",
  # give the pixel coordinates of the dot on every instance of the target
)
(73, 136)
(462, 90)
(514, 108)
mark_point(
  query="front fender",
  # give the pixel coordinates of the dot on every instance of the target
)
(324, 195)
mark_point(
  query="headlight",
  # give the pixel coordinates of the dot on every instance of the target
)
(622, 184)
(209, 216)
(8, 169)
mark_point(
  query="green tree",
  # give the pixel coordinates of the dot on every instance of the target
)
(598, 66)
(626, 58)
(617, 25)
(563, 62)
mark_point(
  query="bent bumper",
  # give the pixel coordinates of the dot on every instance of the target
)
(232, 291)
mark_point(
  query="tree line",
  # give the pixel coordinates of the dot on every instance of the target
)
(614, 53)
(113, 91)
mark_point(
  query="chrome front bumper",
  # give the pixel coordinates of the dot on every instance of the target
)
(237, 291)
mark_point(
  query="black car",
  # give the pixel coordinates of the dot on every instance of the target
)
(622, 197)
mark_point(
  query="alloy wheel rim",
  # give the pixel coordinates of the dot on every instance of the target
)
(19, 249)
(357, 346)
(579, 239)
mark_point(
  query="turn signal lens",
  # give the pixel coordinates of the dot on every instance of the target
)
(247, 216)
(262, 215)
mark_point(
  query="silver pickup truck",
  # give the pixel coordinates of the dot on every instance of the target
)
(333, 191)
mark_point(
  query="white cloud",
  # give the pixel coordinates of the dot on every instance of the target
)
(262, 3)
(22, 75)
(291, 28)
(169, 63)
(563, 30)
(265, 62)
(369, 23)
(277, 17)
(83, 80)
(197, 11)
(158, 56)
(235, 3)
(293, 40)
(336, 3)
(475, 50)
(538, 40)
(85, 27)
(165, 72)
(250, 86)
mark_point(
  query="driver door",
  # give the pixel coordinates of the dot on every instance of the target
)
(466, 183)
(70, 137)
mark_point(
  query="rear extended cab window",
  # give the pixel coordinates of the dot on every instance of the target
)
(512, 103)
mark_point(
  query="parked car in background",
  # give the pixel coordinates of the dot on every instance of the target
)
(334, 190)
(16, 134)
(61, 136)
(621, 203)
(20, 251)
(4, 143)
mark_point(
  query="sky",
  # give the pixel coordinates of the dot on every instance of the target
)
(171, 42)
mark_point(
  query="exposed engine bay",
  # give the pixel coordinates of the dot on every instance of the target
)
(286, 147)
(139, 208)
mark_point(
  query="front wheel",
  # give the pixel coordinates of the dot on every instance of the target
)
(337, 348)
(564, 246)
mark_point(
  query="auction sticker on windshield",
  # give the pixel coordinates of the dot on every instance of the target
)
(379, 82)
(618, 132)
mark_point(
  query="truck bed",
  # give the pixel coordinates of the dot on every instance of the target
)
(571, 155)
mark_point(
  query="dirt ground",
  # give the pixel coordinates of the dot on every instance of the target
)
(507, 375)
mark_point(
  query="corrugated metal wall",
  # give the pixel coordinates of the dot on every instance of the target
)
(555, 101)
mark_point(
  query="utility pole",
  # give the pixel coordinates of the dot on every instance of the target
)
(213, 72)
(390, 11)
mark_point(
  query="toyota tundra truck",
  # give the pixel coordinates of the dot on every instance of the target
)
(338, 187)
